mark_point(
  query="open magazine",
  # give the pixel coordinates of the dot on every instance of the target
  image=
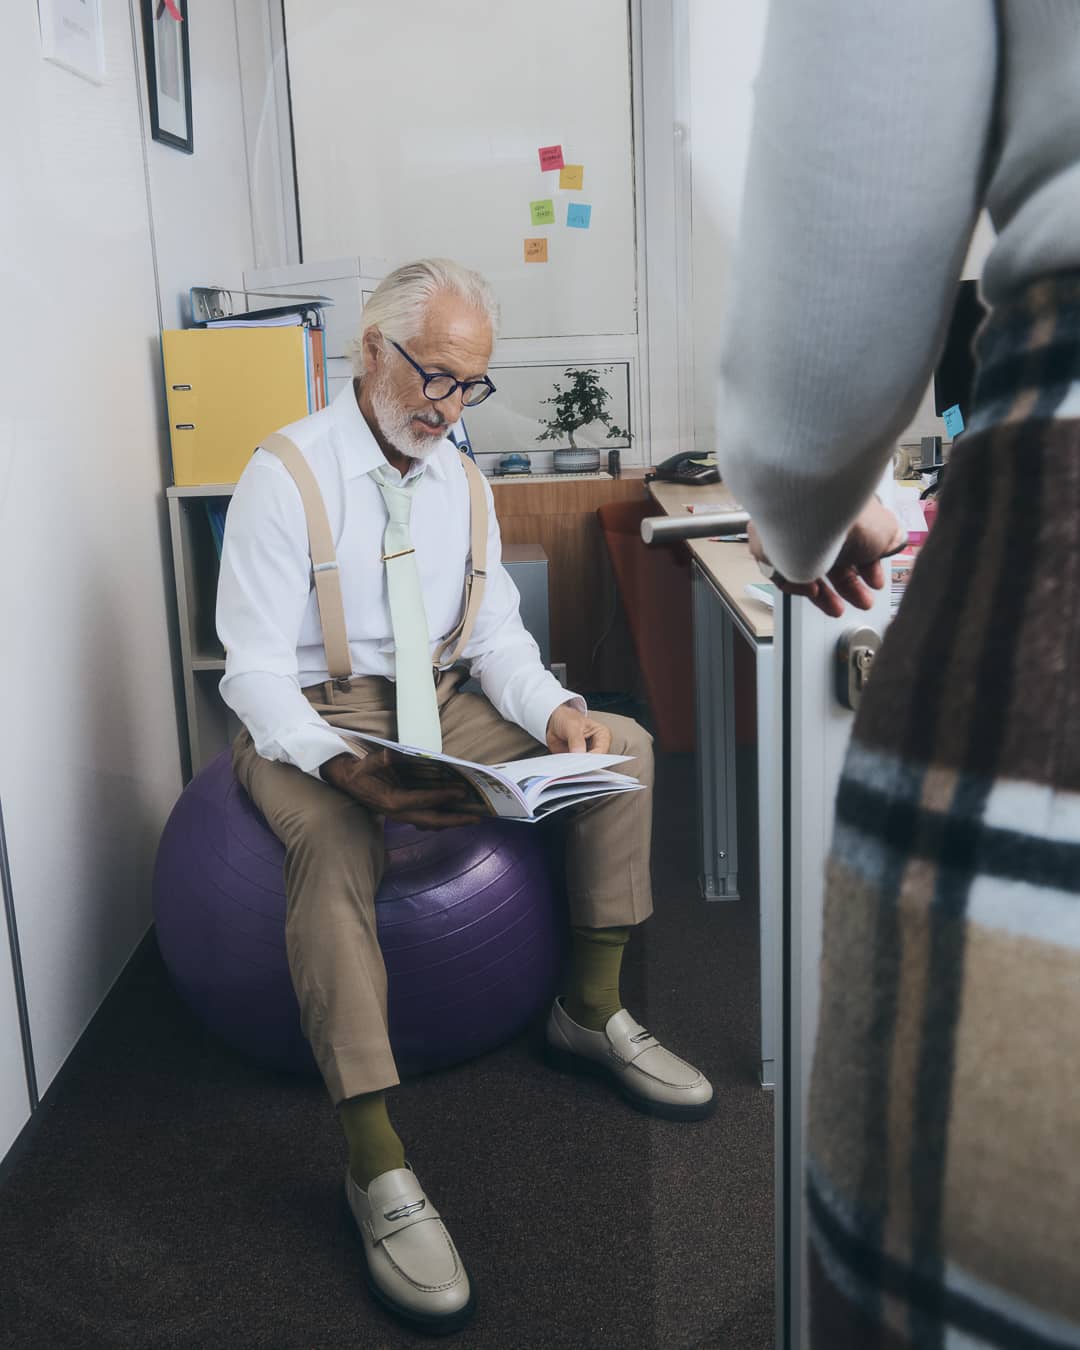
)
(526, 789)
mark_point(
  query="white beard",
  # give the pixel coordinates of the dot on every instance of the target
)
(396, 425)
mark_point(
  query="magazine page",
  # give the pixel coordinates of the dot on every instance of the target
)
(548, 806)
(540, 791)
(551, 767)
(555, 796)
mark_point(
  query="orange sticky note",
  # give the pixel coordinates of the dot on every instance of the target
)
(536, 250)
(571, 175)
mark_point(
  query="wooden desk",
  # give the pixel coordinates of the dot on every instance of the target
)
(584, 602)
(728, 566)
(723, 613)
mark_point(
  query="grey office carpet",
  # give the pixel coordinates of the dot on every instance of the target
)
(177, 1198)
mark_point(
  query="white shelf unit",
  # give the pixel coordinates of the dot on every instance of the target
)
(211, 726)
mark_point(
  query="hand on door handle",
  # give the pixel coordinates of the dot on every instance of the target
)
(876, 534)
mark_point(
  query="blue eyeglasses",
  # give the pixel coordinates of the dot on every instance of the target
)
(440, 386)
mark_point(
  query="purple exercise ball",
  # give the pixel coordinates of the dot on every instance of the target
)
(467, 919)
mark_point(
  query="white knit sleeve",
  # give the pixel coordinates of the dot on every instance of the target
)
(867, 165)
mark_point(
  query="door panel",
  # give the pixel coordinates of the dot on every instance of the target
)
(811, 749)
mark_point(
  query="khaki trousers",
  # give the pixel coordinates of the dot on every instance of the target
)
(334, 863)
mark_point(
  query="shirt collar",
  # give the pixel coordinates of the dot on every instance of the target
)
(361, 453)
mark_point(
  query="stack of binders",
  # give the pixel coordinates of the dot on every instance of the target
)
(234, 380)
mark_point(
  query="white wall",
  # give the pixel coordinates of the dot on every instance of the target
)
(202, 214)
(725, 45)
(417, 129)
(90, 763)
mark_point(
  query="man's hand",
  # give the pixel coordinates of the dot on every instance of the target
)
(876, 534)
(372, 781)
(570, 730)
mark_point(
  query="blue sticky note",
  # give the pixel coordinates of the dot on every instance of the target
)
(954, 420)
(578, 215)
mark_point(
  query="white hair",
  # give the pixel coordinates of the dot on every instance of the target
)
(399, 302)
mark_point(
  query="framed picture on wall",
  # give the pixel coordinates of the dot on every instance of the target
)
(71, 35)
(168, 71)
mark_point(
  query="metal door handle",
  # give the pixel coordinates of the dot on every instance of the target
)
(665, 529)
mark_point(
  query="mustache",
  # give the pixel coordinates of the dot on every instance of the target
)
(433, 418)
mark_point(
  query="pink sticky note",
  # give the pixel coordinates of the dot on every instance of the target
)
(551, 157)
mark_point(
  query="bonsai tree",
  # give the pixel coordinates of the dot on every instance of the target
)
(583, 401)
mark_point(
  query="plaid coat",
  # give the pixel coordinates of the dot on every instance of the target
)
(944, 1173)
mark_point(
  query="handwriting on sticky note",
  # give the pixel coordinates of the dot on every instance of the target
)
(578, 215)
(954, 420)
(550, 157)
(536, 250)
(572, 176)
(543, 213)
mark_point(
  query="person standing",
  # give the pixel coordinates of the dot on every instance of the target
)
(944, 1123)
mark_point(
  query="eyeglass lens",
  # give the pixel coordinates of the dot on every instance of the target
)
(442, 386)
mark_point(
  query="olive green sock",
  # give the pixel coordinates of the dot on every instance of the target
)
(374, 1146)
(591, 981)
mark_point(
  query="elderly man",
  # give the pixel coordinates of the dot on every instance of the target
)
(347, 553)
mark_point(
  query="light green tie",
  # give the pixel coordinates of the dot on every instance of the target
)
(417, 709)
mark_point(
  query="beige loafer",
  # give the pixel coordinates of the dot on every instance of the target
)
(413, 1266)
(648, 1076)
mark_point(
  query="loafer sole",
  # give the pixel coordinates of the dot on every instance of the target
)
(566, 1061)
(428, 1324)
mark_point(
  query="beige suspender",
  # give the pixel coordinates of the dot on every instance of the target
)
(476, 577)
(324, 566)
(327, 578)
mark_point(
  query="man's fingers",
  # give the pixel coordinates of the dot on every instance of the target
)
(874, 575)
(379, 762)
(439, 820)
(598, 738)
(854, 589)
(422, 799)
(827, 600)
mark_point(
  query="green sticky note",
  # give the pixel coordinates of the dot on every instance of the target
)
(543, 213)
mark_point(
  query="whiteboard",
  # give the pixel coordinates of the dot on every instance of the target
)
(417, 129)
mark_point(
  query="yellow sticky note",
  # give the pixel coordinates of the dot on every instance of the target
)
(571, 175)
(536, 250)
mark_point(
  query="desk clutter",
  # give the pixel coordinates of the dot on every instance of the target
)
(594, 476)
(917, 517)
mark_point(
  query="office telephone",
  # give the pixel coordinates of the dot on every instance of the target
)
(690, 469)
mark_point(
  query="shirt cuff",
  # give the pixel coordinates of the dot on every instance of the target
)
(540, 713)
(309, 747)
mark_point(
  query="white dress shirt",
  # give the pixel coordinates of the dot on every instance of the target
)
(268, 615)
